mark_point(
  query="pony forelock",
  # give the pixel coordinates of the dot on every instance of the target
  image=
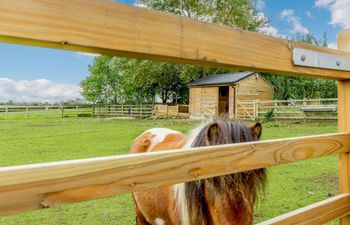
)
(241, 188)
(194, 133)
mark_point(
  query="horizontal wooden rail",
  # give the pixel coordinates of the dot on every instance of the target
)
(318, 213)
(105, 27)
(38, 186)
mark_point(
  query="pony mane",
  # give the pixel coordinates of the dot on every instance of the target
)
(241, 188)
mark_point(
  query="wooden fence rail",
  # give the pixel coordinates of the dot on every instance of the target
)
(123, 110)
(318, 213)
(299, 109)
(142, 33)
(45, 185)
(171, 110)
(63, 111)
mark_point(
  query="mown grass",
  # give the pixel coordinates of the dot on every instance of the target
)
(290, 186)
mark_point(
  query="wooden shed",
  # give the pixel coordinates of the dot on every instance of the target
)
(219, 94)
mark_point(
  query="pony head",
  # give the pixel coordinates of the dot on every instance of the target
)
(223, 131)
(225, 199)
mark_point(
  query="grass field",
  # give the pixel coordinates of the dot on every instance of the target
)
(290, 186)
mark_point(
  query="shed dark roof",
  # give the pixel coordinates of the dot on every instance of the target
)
(227, 78)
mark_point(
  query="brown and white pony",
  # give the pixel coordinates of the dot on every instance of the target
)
(220, 200)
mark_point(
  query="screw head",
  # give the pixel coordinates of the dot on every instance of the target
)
(338, 63)
(303, 58)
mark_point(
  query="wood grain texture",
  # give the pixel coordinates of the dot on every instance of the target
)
(318, 213)
(38, 186)
(101, 26)
(344, 122)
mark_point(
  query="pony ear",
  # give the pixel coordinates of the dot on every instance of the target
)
(212, 133)
(257, 129)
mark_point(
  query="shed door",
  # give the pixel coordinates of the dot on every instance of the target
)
(223, 100)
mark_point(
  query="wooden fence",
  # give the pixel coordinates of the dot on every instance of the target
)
(61, 111)
(136, 32)
(171, 110)
(305, 109)
(123, 110)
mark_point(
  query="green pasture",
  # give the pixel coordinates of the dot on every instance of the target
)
(291, 186)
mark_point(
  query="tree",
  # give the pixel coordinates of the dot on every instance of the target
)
(324, 40)
(104, 83)
(145, 79)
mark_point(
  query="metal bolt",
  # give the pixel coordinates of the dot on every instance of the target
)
(338, 63)
(303, 58)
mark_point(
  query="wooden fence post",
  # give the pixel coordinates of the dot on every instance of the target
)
(46, 112)
(62, 111)
(6, 111)
(276, 105)
(27, 112)
(77, 110)
(344, 122)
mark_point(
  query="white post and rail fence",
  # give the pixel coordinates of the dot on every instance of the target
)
(302, 109)
(305, 109)
(66, 111)
(179, 40)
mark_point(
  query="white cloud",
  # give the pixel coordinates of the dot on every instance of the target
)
(323, 3)
(297, 27)
(260, 4)
(268, 29)
(340, 11)
(332, 45)
(271, 31)
(88, 54)
(287, 13)
(40, 90)
(139, 4)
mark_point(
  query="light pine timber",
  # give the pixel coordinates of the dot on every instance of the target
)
(318, 213)
(104, 27)
(344, 122)
(37, 186)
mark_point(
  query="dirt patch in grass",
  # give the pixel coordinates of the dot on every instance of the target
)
(328, 179)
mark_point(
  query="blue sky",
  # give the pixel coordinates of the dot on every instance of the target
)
(315, 16)
(25, 70)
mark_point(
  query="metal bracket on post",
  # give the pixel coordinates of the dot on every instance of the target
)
(309, 58)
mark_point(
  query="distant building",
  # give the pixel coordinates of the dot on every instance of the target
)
(218, 94)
